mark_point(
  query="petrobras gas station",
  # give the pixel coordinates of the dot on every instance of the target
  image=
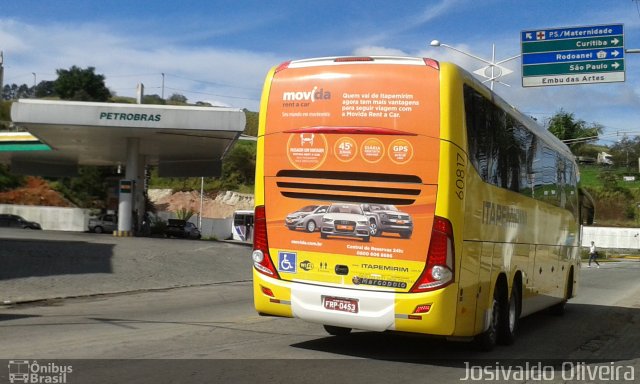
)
(181, 141)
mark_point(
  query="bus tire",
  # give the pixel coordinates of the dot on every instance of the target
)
(337, 331)
(487, 340)
(559, 309)
(510, 316)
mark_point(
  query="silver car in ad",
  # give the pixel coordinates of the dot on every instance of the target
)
(308, 218)
(345, 220)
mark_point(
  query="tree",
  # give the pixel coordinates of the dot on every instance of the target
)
(626, 151)
(81, 84)
(153, 99)
(177, 98)
(15, 92)
(5, 114)
(8, 180)
(251, 126)
(239, 165)
(565, 126)
(45, 89)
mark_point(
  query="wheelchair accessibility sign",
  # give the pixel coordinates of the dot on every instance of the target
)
(287, 262)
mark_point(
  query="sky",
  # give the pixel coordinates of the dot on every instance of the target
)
(220, 51)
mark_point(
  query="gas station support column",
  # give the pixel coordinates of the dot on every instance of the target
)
(127, 199)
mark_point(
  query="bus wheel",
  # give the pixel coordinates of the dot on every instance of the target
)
(510, 317)
(558, 309)
(337, 331)
(487, 340)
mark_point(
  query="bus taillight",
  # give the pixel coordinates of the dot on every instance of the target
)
(261, 259)
(438, 271)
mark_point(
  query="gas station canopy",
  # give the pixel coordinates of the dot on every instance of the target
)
(180, 140)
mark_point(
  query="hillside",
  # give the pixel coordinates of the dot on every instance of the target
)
(220, 206)
(617, 200)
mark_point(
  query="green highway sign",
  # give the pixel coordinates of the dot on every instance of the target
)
(564, 45)
(573, 68)
(573, 55)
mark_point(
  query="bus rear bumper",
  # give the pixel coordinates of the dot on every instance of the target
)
(376, 311)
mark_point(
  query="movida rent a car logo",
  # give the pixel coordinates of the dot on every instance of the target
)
(306, 96)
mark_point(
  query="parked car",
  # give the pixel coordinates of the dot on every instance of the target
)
(387, 218)
(15, 221)
(103, 223)
(182, 228)
(308, 218)
(345, 220)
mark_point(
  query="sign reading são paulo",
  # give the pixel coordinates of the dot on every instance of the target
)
(573, 55)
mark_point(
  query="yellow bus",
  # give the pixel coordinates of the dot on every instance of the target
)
(397, 193)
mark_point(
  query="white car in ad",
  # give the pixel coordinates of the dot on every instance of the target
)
(345, 220)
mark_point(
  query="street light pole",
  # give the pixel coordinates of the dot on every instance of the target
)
(492, 72)
(162, 85)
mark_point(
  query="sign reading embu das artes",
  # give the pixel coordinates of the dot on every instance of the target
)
(573, 55)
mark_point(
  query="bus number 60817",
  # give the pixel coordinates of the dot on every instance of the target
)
(460, 163)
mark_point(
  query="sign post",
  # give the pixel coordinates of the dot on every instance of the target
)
(573, 55)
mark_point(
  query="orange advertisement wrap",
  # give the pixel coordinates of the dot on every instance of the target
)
(351, 167)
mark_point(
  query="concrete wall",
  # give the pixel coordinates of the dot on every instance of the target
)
(612, 238)
(219, 229)
(52, 218)
(77, 219)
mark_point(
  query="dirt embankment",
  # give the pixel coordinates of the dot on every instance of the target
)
(36, 192)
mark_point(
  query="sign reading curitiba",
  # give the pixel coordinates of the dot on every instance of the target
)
(573, 55)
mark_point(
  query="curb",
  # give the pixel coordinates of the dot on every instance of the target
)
(9, 303)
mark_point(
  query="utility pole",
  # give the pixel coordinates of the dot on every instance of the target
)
(162, 85)
(1, 71)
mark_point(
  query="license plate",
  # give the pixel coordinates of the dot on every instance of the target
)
(340, 304)
(400, 222)
(344, 227)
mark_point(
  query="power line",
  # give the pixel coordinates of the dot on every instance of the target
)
(212, 94)
(210, 82)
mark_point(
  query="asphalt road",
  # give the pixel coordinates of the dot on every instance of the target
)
(210, 333)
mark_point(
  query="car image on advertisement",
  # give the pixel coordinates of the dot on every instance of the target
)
(387, 218)
(345, 220)
(308, 218)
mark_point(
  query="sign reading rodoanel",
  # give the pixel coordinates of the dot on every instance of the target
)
(573, 55)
